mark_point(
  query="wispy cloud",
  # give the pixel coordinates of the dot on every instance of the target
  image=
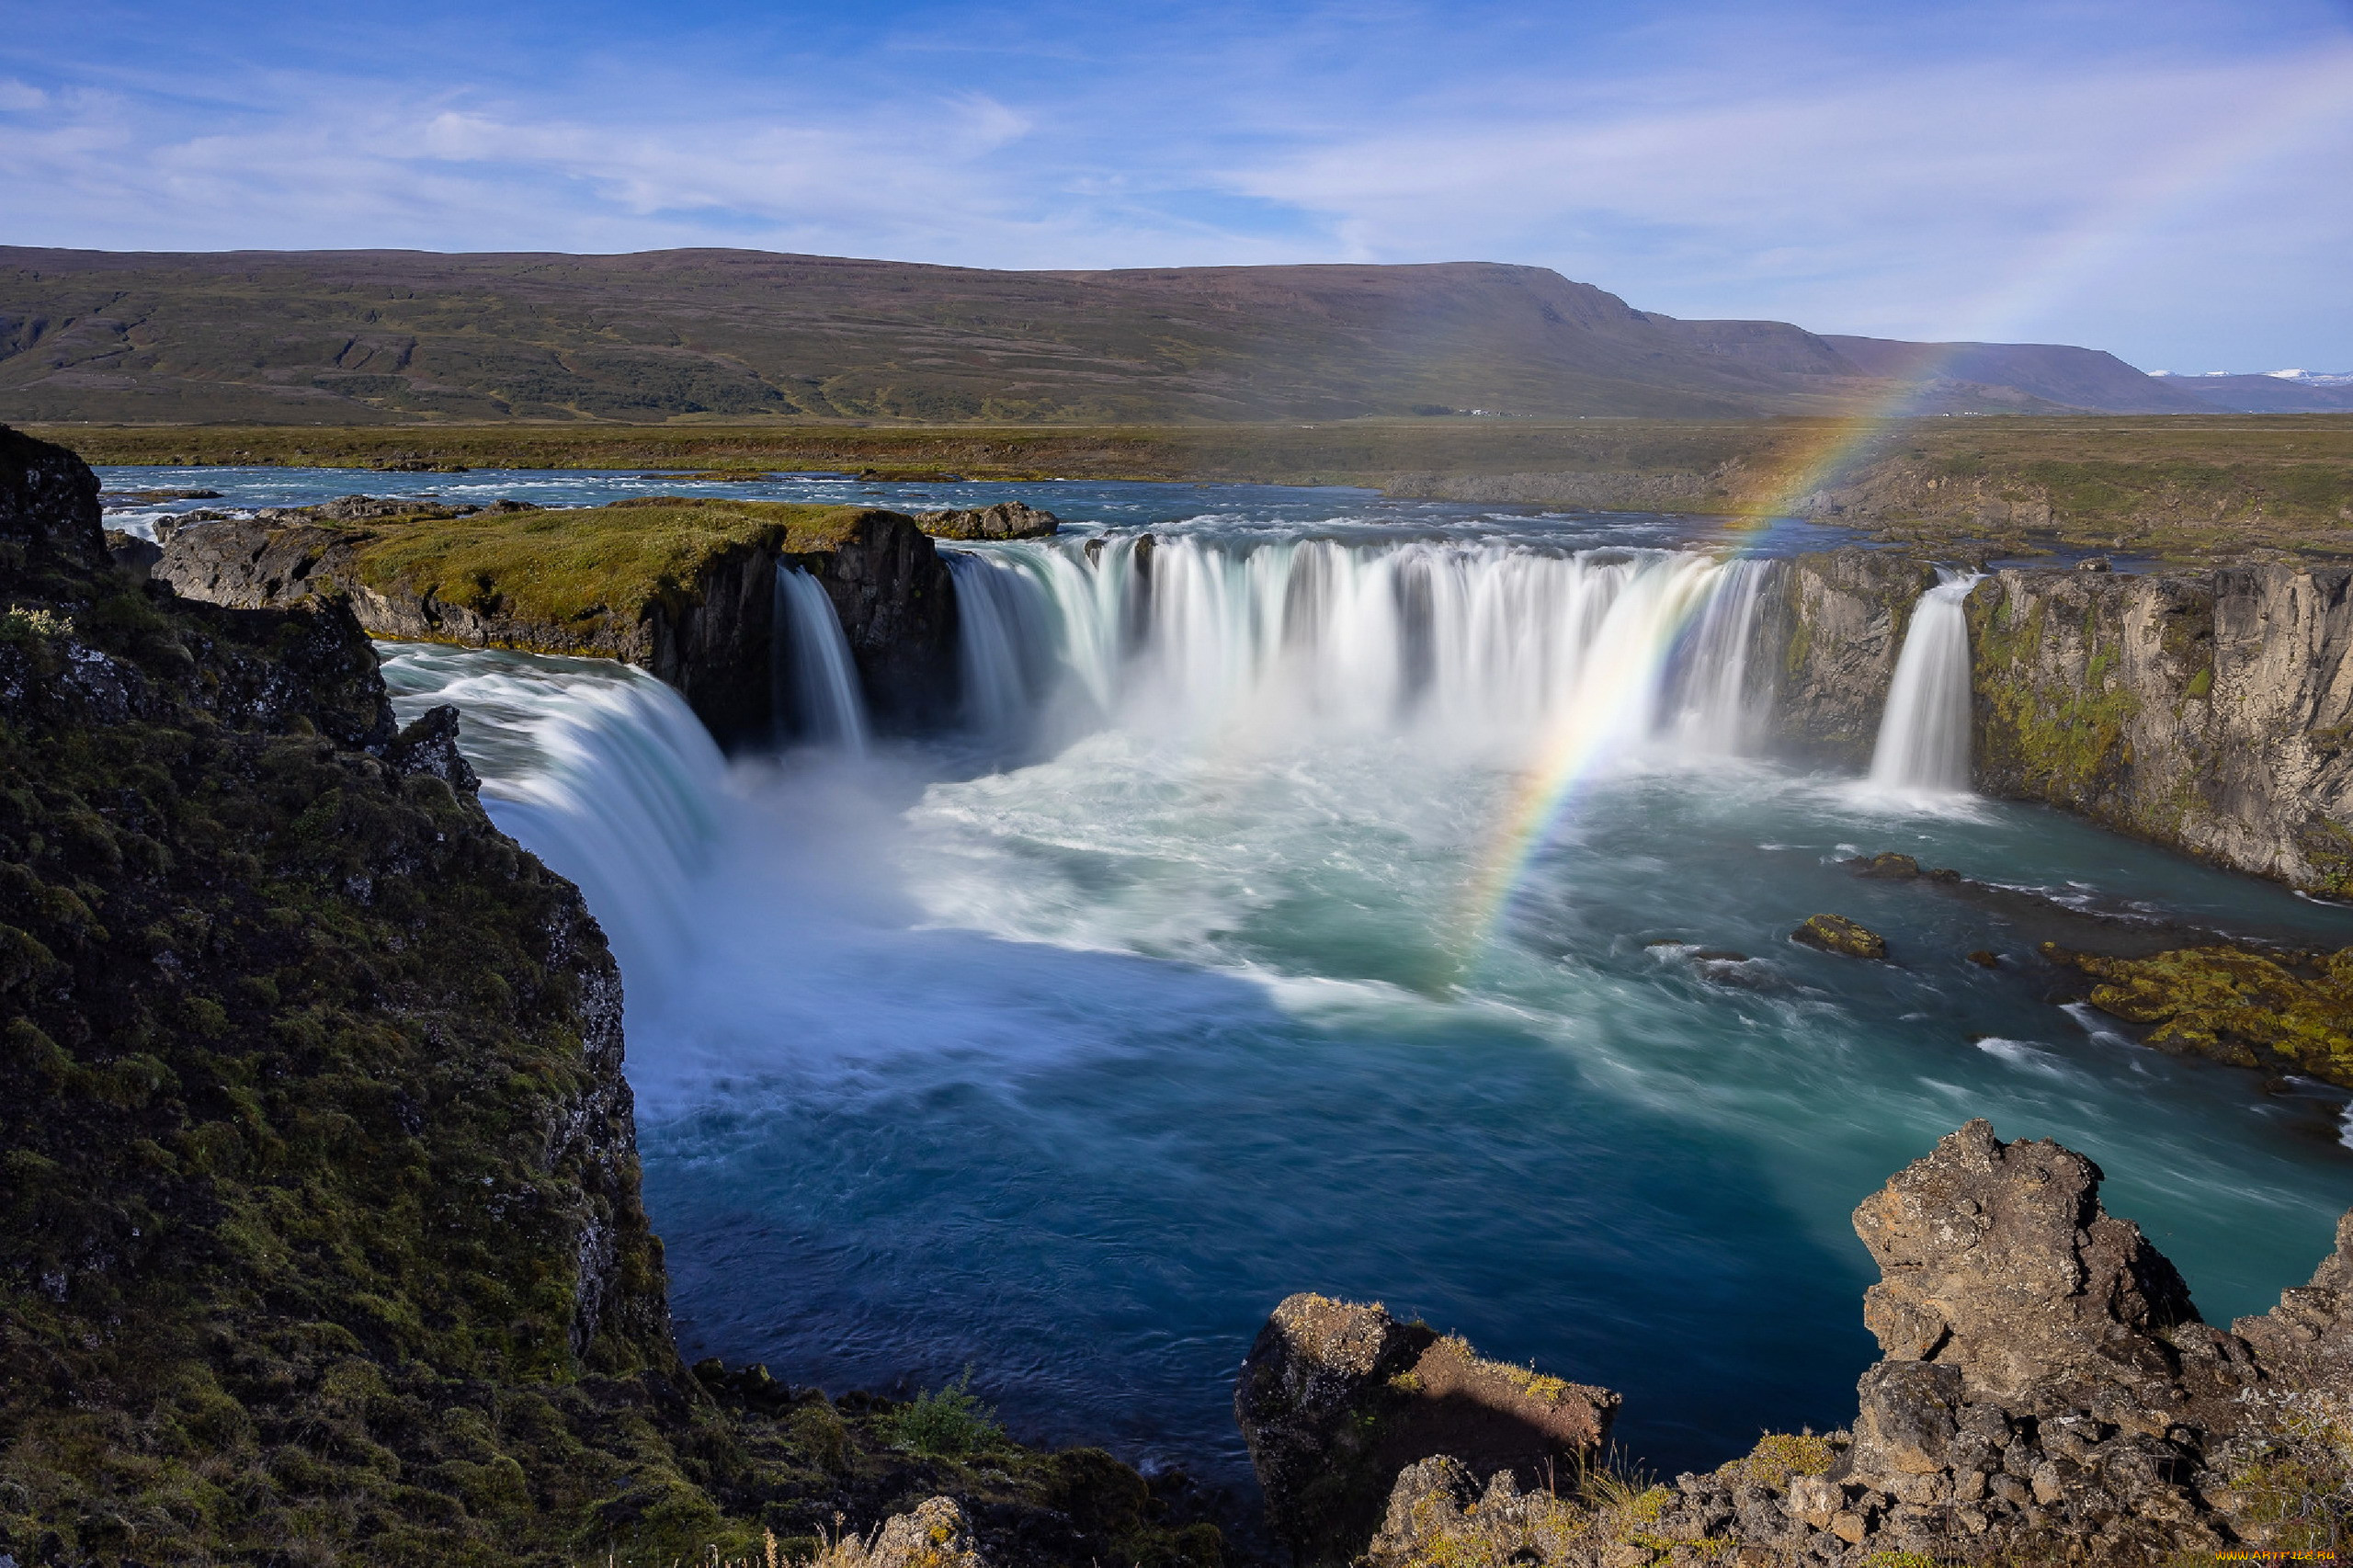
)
(1930, 175)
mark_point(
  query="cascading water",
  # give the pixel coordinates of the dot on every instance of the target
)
(1261, 641)
(1105, 1053)
(603, 770)
(816, 695)
(1923, 746)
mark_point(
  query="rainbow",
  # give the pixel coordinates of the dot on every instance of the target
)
(2167, 187)
(1569, 757)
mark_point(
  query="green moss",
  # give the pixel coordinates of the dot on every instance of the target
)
(563, 567)
(2234, 1004)
(302, 1135)
(1781, 1457)
(2063, 738)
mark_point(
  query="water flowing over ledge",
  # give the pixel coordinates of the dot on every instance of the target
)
(1149, 1001)
(1923, 743)
(1475, 649)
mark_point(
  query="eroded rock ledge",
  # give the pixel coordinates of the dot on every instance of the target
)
(2048, 1393)
(696, 610)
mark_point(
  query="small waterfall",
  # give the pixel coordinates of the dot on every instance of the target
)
(816, 695)
(1924, 737)
(1481, 645)
(599, 769)
(1004, 637)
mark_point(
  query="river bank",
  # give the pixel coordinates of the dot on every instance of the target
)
(2186, 488)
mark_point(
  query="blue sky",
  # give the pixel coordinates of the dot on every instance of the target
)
(2170, 180)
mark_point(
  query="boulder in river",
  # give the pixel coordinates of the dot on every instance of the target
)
(1837, 934)
(1006, 519)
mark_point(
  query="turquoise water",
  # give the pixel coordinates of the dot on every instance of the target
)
(1069, 1070)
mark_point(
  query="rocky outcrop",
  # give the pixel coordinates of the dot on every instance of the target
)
(2047, 1395)
(1831, 627)
(711, 640)
(2277, 1009)
(1837, 934)
(935, 1534)
(2212, 713)
(1006, 519)
(1335, 1398)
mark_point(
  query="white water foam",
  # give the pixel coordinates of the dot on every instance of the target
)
(816, 695)
(1923, 746)
(1478, 650)
(603, 770)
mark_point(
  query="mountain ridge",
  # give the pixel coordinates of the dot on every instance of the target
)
(378, 337)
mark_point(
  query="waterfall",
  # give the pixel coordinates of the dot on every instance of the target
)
(1924, 737)
(816, 695)
(1479, 646)
(599, 769)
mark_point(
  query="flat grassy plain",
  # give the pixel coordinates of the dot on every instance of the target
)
(2177, 487)
(562, 567)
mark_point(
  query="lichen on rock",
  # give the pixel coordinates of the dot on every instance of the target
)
(2236, 1004)
(2047, 1395)
(1837, 934)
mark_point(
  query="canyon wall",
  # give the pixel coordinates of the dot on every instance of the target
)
(2212, 713)
(1830, 629)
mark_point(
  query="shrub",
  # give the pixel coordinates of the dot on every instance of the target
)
(947, 1423)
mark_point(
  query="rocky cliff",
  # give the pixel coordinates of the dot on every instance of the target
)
(688, 591)
(1829, 633)
(2212, 713)
(2047, 1395)
(319, 1234)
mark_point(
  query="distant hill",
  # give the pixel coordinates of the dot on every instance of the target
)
(2267, 394)
(2054, 372)
(356, 337)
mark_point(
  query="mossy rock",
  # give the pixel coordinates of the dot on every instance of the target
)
(1837, 934)
(2233, 1004)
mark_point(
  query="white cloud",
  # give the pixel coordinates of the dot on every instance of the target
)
(17, 96)
(1754, 172)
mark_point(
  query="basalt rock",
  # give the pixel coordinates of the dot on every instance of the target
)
(2047, 1395)
(1006, 519)
(1831, 626)
(2211, 714)
(1837, 934)
(710, 636)
(934, 1535)
(1335, 1398)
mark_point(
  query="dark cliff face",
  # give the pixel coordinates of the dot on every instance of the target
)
(319, 1234)
(897, 605)
(2212, 713)
(892, 593)
(311, 1096)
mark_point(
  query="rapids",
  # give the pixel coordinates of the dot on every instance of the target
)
(1064, 1048)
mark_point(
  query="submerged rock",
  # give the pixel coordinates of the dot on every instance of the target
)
(1837, 934)
(1336, 1397)
(1006, 519)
